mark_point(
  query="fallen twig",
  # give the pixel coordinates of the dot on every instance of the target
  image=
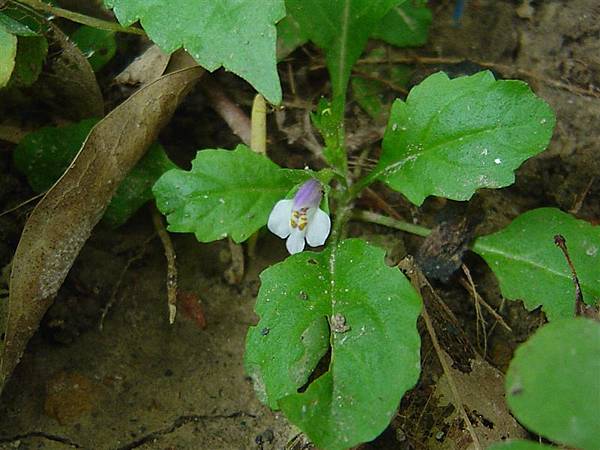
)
(231, 113)
(171, 266)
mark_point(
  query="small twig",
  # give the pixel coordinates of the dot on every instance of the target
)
(393, 86)
(580, 306)
(20, 205)
(470, 286)
(458, 403)
(171, 266)
(480, 324)
(371, 217)
(79, 18)
(581, 197)
(231, 113)
(113, 296)
(591, 91)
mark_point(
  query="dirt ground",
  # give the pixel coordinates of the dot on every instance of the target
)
(142, 383)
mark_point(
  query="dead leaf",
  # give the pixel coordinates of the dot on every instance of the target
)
(68, 82)
(482, 393)
(63, 220)
(145, 68)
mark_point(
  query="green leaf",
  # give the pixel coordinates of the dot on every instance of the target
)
(8, 52)
(372, 310)
(521, 445)
(225, 193)
(31, 54)
(136, 188)
(289, 37)
(10, 25)
(406, 25)
(530, 267)
(239, 35)
(332, 131)
(452, 137)
(341, 28)
(44, 155)
(552, 384)
(99, 46)
(368, 94)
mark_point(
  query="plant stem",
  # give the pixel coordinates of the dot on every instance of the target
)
(79, 18)
(364, 182)
(371, 217)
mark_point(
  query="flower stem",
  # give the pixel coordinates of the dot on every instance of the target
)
(364, 182)
(371, 217)
(79, 18)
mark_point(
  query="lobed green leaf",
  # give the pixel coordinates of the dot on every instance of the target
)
(371, 310)
(452, 137)
(226, 193)
(552, 383)
(530, 267)
(238, 35)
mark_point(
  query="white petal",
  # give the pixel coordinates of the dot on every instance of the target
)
(318, 229)
(279, 219)
(295, 243)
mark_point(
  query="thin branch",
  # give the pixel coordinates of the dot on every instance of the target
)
(470, 286)
(232, 114)
(79, 18)
(420, 282)
(20, 205)
(171, 266)
(591, 91)
(113, 296)
(371, 217)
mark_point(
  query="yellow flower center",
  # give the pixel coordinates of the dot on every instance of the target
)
(299, 218)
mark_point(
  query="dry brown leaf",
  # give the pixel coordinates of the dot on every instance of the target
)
(68, 82)
(62, 222)
(482, 394)
(145, 68)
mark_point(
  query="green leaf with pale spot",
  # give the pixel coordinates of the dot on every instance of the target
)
(406, 25)
(521, 445)
(99, 46)
(341, 28)
(452, 137)
(8, 52)
(238, 35)
(530, 267)
(44, 155)
(13, 26)
(136, 188)
(553, 383)
(31, 54)
(371, 310)
(226, 193)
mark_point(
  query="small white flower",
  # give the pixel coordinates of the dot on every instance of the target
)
(301, 219)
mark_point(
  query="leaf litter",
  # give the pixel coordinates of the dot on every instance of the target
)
(63, 220)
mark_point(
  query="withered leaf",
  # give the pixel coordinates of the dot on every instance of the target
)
(68, 82)
(63, 220)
